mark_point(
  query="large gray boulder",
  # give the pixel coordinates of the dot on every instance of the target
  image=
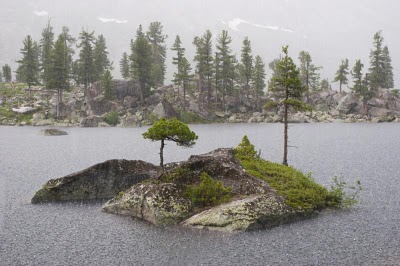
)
(347, 104)
(100, 105)
(379, 112)
(53, 132)
(164, 109)
(159, 204)
(255, 212)
(91, 121)
(100, 181)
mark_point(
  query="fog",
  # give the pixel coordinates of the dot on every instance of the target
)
(329, 30)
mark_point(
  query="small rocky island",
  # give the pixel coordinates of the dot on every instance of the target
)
(226, 190)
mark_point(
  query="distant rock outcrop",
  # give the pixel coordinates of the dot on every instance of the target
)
(53, 132)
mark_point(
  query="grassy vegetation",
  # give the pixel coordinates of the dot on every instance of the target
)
(111, 118)
(6, 92)
(300, 191)
(177, 172)
(208, 193)
(190, 117)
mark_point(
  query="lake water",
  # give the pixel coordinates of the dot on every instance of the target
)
(80, 234)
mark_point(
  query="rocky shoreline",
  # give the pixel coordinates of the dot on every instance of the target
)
(17, 108)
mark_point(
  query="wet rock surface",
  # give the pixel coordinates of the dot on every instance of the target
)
(53, 132)
(100, 181)
(254, 212)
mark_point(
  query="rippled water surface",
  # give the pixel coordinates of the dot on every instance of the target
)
(80, 234)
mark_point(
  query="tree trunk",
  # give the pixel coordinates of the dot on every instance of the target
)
(285, 136)
(161, 154)
(184, 96)
(340, 87)
(208, 91)
(200, 88)
(58, 104)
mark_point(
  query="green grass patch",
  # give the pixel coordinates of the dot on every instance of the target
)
(169, 177)
(111, 118)
(208, 193)
(300, 191)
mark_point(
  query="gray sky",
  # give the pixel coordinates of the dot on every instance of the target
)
(329, 30)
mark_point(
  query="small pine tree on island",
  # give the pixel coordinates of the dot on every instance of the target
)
(287, 86)
(170, 130)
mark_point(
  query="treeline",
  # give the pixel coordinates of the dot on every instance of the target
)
(215, 72)
(379, 74)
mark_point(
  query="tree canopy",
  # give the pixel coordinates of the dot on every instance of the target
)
(341, 74)
(170, 130)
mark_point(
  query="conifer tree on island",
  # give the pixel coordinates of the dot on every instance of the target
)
(341, 74)
(170, 130)
(286, 86)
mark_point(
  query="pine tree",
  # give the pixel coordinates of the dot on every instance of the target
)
(158, 51)
(180, 53)
(141, 62)
(341, 74)
(85, 64)
(287, 86)
(124, 66)
(308, 72)
(60, 77)
(357, 75)
(100, 61)
(387, 69)
(204, 59)
(28, 69)
(361, 85)
(325, 84)
(69, 51)
(6, 73)
(377, 72)
(247, 63)
(226, 64)
(258, 79)
(170, 130)
(106, 82)
(46, 46)
(185, 76)
(1, 77)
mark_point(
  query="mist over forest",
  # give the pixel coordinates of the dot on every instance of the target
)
(329, 31)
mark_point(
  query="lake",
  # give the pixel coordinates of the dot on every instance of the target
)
(80, 234)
